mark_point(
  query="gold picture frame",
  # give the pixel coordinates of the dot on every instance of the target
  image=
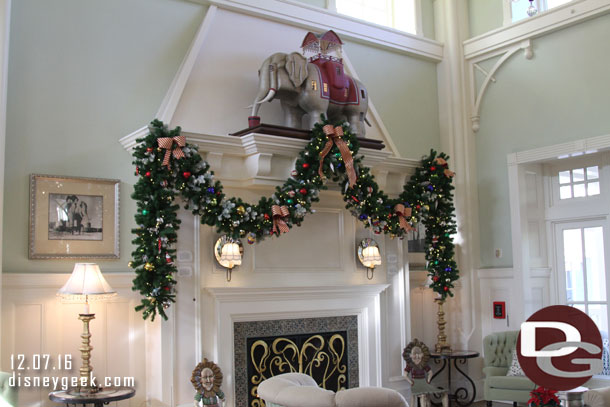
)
(73, 217)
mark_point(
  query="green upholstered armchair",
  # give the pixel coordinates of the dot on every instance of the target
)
(8, 394)
(497, 359)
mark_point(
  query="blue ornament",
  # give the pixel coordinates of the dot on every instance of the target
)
(363, 217)
(430, 188)
(447, 268)
(211, 190)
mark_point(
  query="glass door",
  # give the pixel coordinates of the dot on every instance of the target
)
(582, 252)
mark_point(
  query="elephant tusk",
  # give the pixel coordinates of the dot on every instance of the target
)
(267, 98)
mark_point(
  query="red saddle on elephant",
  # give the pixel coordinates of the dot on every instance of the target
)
(335, 85)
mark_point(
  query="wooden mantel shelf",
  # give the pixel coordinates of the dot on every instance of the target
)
(249, 159)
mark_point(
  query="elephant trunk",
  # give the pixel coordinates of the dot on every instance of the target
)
(267, 85)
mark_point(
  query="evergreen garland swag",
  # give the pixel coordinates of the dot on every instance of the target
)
(167, 166)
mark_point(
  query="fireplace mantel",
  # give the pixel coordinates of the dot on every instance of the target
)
(229, 305)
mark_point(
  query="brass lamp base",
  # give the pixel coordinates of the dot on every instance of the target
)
(441, 345)
(85, 385)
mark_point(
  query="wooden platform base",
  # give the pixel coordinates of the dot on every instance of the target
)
(291, 132)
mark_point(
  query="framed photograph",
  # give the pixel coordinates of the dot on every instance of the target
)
(416, 243)
(73, 217)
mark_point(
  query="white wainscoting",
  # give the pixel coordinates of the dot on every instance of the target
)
(35, 321)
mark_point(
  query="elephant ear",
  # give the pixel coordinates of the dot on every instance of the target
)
(296, 66)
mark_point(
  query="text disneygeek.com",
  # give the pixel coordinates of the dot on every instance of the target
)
(28, 372)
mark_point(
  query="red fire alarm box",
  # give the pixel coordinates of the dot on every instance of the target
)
(499, 310)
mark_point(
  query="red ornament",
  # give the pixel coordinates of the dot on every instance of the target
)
(149, 149)
(433, 168)
(266, 216)
(446, 288)
(303, 191)
(435, 278)
(148, 174)
(305, 165)
(159, 244)
(418, 206)
(186, 174)
(137, 171)
(166, 288)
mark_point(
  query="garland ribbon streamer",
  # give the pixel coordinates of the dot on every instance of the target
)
(279, 225)
(167, 143)
(403, 213)
(425, 199)
(334, 135)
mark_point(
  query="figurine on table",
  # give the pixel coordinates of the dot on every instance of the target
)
(207, 379)
(418, 373)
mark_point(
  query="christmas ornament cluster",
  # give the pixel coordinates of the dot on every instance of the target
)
(167, 167)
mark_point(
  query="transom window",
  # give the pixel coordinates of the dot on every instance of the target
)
(579, 182)
(519, 7)
(399, 14)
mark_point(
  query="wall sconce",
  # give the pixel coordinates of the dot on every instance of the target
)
(86, 283)
(228, 253)
(369, 256)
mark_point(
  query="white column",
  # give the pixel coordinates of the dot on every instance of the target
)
(5, 18)
(458, 141)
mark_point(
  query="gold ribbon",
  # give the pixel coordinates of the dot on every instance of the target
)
(448, 173)
(403, 213)
(441, 161)
(334, 135)
(167, 143)
(279, 213)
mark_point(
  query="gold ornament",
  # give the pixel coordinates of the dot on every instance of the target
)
(148, 266)
(241, 210)
(130, 264)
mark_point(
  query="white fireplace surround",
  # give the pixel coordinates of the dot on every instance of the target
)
(264, 304)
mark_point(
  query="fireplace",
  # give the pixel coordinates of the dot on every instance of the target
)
(237, 314)
(325, 348)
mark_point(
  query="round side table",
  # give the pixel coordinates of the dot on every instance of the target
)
(99, 399)
(461, 396)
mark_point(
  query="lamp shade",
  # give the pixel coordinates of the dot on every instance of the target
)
(86, 280)
(371, 256)
(230, 255)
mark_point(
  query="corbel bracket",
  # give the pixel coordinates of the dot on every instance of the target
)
(526, 46)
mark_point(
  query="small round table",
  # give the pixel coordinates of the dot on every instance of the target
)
(461, 395)
(104, 396)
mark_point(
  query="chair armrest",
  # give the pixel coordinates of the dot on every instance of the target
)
(495, 371)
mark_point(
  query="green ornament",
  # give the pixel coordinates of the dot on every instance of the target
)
(145, 212)
(289, 201)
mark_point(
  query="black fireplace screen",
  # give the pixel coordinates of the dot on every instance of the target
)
(322, 356)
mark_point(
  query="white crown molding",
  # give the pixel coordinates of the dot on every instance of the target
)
(542, 24)
(563, 150)
(315, 18)
(246, 294)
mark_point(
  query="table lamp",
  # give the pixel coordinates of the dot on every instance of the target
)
(86, 283)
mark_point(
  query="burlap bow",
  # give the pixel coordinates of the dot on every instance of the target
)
(167, 143)
(440, 161)
(334, 135)
(403, 213)
(279, 213)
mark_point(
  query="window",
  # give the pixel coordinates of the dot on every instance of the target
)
(519, 7)
(399, 14)
(579, 182)
(583, 263)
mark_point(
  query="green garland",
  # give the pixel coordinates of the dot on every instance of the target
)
(427, 194)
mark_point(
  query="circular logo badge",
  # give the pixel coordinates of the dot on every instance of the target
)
(559, 347)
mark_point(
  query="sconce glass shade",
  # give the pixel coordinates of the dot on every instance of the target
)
(86, 283)
(228, 252)
(368, 253)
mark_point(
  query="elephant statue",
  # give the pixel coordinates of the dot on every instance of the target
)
(313, 87)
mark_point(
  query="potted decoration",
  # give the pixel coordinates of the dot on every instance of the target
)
(542, 397)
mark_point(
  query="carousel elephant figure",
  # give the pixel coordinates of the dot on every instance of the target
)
(305, 87)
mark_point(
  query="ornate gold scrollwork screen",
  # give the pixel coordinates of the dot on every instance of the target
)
(322, 356)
